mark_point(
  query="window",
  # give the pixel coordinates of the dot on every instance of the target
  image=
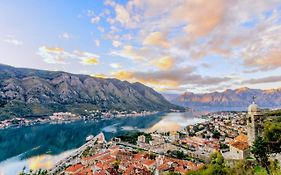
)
(250, 120)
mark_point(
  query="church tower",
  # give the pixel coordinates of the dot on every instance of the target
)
(254, 123)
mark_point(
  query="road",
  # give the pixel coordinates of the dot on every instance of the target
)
(71, 158)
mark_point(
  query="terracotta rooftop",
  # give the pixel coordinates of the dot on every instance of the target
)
(240, 145)
(86, 171)
(74, 168)
(149, 162)
(96, 155)
(241, 138)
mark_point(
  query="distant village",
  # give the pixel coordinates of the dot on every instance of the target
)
(231, 133)
(68, 116)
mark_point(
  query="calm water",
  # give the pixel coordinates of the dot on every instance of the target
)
(40, 146)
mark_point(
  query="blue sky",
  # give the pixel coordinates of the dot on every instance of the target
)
(172, 46)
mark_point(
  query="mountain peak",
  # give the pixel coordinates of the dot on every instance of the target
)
(39, 92)
(240, 97)
(242, 89)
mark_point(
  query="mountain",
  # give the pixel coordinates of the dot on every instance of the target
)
(25, 92)
(237, 98)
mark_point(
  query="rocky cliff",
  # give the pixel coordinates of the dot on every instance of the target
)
(36, 92)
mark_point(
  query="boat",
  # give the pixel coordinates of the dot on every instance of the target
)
(90, 137)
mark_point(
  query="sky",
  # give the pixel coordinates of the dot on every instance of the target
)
(172, 46)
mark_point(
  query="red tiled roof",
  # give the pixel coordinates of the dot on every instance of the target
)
(241, 138)
(163, 167)
(240, 145)
(100, 172)
(74, 168)
(86, 171)
(149, 162)
(180, 169)
(139, 156)
(96, 156)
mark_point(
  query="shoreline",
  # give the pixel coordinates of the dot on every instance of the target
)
(27, 122)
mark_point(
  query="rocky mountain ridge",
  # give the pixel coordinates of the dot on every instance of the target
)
(240, 97)
(37, 92)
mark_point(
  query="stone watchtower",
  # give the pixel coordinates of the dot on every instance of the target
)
(254, 123)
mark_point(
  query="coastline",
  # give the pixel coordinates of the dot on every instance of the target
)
(25, 122)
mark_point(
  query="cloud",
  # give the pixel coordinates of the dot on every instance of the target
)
(270, 79)
(53, 55)
(97, 42)
(268, 61)
(115, 65)
(116, 43)
(171, 78)
(12, 40)
(198, 28)
(130, 52)
(90, 61)
(99, 75)
(86, 57)
(156, 39)
(57, 55)
(122, 15)
(161, 39)
(164, 63)
(109, 2)
(201, 16)
(65, 36)
(95, 19)
(263, 51)
(101, 29)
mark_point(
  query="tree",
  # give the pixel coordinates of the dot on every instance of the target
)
(261, 152)
(38, 172)
(272, 134)
(216, 134)
(116, 164)
(216, 167)
(245, 167)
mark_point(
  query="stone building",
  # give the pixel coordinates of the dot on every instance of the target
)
(255, 121)
(141, 139)
(239, 147)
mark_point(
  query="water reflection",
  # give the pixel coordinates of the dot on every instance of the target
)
(175, 122)
(15, 164)
(40, 146)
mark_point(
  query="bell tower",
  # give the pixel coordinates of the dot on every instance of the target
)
(254, 122)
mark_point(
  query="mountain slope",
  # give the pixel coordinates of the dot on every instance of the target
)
(241, 97)
(37, 92)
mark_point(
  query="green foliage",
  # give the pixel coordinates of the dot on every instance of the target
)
(152, 156)
(216, 134)
(261, 152)
(133, 137)
(172, 173)
(3, 102)
(216, 167)
(178, 154)
(272, 134)
(86, 152)
(116, 164)
(223, 146)
(245, 167)
(274, 113)
(31, 172)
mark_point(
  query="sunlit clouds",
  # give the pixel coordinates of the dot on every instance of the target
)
(57, 55)
(156, 39)
(10, 39)
(170, 45)
(65, 36)
(164, 63)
